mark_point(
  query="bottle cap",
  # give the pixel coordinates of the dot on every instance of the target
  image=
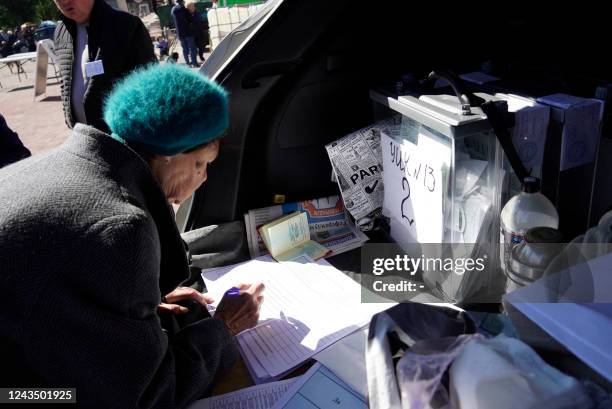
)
(531, 184)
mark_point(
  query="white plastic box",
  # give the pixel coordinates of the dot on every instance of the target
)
(444, 182)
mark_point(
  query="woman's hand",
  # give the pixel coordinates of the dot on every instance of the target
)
(180, 294)
(241, 311)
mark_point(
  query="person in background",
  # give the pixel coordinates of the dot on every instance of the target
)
(12, 39)
(92, 260)
(96, 46)
(24, 42)
(29, 39)
(11, 148)
(173, 58)
(162, 46)
(4, 49)
(3, 44)
(197, 28)
(183, 24)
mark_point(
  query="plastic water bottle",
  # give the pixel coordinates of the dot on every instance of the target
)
(528, 209)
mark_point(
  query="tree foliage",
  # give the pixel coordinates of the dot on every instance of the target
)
(13, 13)
(46, 10)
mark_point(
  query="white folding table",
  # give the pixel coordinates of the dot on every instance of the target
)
(18, 60)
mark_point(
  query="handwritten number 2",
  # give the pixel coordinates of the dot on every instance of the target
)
(404, 185)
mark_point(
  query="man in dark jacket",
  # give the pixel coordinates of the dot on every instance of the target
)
(96, 45)
(183, 23)
(197, 27)
(11, 148)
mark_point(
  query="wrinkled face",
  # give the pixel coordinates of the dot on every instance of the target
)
(181, 175)
(77, 10)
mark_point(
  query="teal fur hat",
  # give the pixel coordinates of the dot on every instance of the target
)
(167, 109)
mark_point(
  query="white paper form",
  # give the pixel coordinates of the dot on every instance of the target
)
(255, 397)
(346, 358)
(320, 388)
(307, 307)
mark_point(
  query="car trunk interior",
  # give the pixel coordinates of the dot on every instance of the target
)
(303, 81)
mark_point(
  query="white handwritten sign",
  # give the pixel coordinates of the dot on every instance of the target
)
(414, 187)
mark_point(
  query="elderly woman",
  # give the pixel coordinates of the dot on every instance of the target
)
(88, 246)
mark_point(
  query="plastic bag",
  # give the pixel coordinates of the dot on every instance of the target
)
(504, 372)
(485, 373)
(393, 332)
(420, 371)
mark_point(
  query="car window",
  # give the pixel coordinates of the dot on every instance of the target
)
(229, 47)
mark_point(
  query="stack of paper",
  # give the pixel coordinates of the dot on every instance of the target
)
(328, 223)
(256, 397)
(319, 387)
(308, 306)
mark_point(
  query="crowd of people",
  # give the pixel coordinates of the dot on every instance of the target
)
(191, 29)
(96, 284)
(16, 41)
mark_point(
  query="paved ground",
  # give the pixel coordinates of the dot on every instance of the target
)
(40, 125)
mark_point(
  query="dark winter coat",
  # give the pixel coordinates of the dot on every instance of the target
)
(117, 38)
(88, 246)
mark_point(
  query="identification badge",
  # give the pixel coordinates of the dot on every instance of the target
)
(94, 68)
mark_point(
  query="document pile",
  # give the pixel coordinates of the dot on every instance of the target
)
(256, 397)
(328, 222)
(289, 237)
(357, 163)
(309, 306)
(318, 388)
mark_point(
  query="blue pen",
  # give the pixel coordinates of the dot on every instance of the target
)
(233, 292)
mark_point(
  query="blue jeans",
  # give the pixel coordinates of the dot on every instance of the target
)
(189, 49)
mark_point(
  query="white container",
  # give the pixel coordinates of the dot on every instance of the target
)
(526, 210)
(443, 178)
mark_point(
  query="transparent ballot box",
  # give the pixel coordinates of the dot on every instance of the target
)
(444, 181)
